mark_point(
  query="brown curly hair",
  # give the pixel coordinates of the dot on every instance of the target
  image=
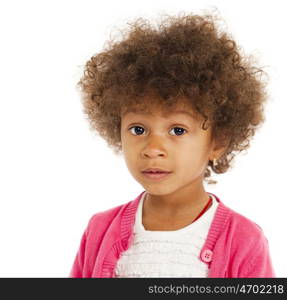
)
(185, 57)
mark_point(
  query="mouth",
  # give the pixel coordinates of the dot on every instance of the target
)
(156, 174)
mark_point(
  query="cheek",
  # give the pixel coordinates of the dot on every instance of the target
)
(193, 152)
(127, 146)
(130, 155)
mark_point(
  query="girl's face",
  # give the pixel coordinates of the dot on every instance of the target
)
(172, 141)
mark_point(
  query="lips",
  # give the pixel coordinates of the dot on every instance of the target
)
(155, 171)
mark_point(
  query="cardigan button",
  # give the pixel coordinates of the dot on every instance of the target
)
(206, 255)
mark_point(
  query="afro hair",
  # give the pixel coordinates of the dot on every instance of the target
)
(185, 56)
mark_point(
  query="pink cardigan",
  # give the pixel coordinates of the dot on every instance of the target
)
(235, 246)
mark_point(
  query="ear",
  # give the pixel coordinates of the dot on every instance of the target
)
(217, 150)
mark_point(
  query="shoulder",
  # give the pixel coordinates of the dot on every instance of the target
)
(244, 224)
(233, 223)
(244, 231)
(100, 221)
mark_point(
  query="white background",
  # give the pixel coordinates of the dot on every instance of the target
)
(55, 173)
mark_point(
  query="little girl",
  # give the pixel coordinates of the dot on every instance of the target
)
(177, 102)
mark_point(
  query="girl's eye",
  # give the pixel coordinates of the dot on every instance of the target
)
(139, 130)
(179, 130)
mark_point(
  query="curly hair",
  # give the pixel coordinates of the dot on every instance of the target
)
(188, 57)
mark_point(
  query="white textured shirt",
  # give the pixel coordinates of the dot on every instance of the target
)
(166, 253)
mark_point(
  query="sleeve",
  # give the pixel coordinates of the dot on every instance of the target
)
(78, 265)
(260, 264)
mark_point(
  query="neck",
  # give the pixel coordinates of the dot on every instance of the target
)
(182, 202)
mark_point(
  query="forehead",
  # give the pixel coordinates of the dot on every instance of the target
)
(152, 104)
(161, 113)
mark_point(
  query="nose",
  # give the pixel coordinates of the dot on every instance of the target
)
(153, 150)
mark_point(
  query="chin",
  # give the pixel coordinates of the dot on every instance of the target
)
(159, 190)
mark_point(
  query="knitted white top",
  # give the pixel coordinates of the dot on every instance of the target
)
(166, 253)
